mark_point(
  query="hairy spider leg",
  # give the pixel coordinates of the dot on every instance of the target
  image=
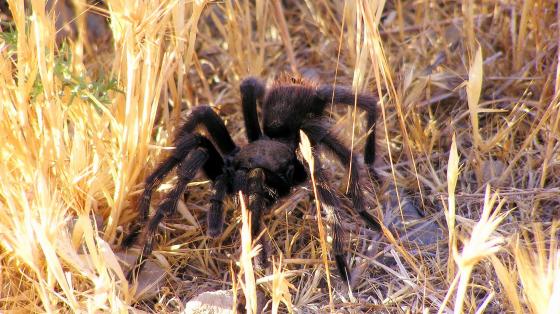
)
(215, 216)
(213, 167)
(184, 145)
(331, 204)
(186, 172)
(320, 135)
(205, 116)
(257, 198)
(185, 141)
(252, 183)
(257, 194)
(240, 178)
(153, 181)
(366, 102)
(252, 89)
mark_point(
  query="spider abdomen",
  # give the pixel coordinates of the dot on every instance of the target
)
(285, 108)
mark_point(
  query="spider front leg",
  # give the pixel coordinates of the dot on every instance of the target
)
(205, 116)
(185, 141)
(183, 146)
(215, 217)
(186, 172)
(257, 198)
(252, 185)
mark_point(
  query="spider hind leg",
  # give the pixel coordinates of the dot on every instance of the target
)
(252, 89)
(320, 135)
(366, 102)
(331, 204)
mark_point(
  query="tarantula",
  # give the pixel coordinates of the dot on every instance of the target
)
(268, 166)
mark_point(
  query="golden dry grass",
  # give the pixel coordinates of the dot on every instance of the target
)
(468, 129)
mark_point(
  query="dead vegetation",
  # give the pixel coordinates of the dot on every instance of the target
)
(469, 136)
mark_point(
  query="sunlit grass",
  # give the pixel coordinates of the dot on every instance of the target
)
(468, 127)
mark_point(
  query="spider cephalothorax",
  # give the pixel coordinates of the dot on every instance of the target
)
(268, 166)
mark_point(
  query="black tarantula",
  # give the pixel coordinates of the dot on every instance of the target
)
(268, 166)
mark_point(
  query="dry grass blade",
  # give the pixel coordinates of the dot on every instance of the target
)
(306, 151)
(539, 269)
(452, 176)
(248, 284)
(83, 146)
(507, 278)
(279, 15)
(480, 244)
(468, 12)
(474, 87)
(468, 97)
(280, 288)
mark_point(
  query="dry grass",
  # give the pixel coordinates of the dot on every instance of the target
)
(468, 129)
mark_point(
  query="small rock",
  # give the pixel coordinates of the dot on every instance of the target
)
(211, 302)
(414, 227)
(492, 170)
(150, 278)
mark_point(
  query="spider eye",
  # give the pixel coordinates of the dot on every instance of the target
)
(294, 80)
